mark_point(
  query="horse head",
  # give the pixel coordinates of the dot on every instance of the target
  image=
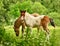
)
(22, 15)
(23, 12)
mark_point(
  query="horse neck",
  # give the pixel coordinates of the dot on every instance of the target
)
(27, 15)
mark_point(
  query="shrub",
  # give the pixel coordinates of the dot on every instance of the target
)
(14, 10)
(2, 32)
(26, 5)
(39, 8)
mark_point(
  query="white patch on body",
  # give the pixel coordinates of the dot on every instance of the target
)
(31, 20)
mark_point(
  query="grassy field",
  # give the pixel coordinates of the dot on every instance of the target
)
(35, 39)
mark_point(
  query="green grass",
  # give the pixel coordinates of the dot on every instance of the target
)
(34, 39)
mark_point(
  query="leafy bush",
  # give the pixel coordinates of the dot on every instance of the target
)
(26, 5)
(39, 8)
(2, 32)
(14, 10)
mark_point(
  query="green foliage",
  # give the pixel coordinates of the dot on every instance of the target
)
(26, 5)
(53, 38)
(51, 5)
(34, 39)
(2, 32)
(2, 11)
(39, 8)
(14, 10)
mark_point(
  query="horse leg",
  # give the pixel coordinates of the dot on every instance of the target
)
(47, 31)
(38, 29)
(47, 34)
(23, 27)
(30, 30)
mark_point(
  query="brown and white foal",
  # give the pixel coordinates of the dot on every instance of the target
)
(42, 20)
(19, 23)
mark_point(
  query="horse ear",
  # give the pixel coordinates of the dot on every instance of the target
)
(22, 10)
(25, 11)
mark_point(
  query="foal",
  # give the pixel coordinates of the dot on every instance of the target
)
(19, 23)
(31, 21)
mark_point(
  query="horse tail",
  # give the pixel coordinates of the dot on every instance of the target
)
(52, 22)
